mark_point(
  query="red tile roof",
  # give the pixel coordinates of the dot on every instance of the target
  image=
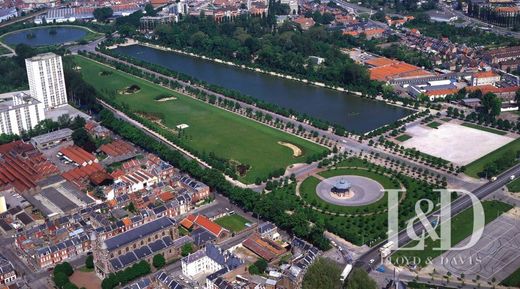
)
(203, 222)
(78, 155)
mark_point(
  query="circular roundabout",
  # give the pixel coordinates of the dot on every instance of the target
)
(350, 190)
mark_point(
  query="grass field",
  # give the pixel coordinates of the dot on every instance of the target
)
(513, 280)
(403, 137)
(4, 50)
(477, 166)
(461, 228)
(235, 223)
(483, 128)
(434, 124)
(514, 186)
(210, 129)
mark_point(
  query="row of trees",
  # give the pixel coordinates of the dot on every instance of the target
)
(268, 207)
(123, 277)
(254, 42)
(469, 35)
(226, 166)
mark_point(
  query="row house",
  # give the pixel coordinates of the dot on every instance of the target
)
(55, 254)
(7, 271)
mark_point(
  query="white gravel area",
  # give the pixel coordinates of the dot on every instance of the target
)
(456, 143)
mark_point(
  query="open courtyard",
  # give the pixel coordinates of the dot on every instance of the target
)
(209, 129)
(458, 144)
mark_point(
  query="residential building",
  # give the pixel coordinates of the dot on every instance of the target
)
(7, 272)
(7, 14)
(46, 79)
(19, 112)
(208, 260)
(484, 78)
(201, 221)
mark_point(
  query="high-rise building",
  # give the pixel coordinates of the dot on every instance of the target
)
(46, 80)
(19, 112)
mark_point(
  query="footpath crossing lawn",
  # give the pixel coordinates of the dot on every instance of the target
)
(210, 129)
(234, 222)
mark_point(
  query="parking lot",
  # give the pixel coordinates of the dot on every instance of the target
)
(496, 254)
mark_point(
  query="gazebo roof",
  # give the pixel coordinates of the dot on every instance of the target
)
(342, 184)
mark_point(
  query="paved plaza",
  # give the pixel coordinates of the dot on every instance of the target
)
(497, 253)
(451, 142)
(365, 191)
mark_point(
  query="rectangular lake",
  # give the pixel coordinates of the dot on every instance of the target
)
(350, 111)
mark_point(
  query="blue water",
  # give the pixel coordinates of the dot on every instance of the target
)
(43, 37)
(350, 111)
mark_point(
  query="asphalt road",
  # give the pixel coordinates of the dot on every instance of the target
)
(457, 206)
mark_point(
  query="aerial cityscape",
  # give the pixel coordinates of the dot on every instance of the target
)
(259, 144)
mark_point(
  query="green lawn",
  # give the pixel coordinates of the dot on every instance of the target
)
(461, 228)
(235, 223)
(210, 129)
(4, 50)
(403, 137)
(434, 124)
(478, 165)
(514, 186)
(513, 280)
(483, 128)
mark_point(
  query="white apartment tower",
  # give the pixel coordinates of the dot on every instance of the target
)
(46, 79)
(19, 112)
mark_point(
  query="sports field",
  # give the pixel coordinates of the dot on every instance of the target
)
(235, 223)
(210, 129)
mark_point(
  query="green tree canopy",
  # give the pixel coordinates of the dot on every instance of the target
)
(158, 261)
(322, 274)
(89, 262)
(359, 279)
(102, 14)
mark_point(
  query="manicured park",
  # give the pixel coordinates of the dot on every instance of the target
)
(507, 151)
(514, 186)
(210, 129)
(234, 222)
(461, 228)
(434, 124)
(308, 191)
(403, 137)
(367, 224)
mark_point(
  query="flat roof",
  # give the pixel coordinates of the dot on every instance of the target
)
(52, 136)
(58, 199)
(42, 56)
